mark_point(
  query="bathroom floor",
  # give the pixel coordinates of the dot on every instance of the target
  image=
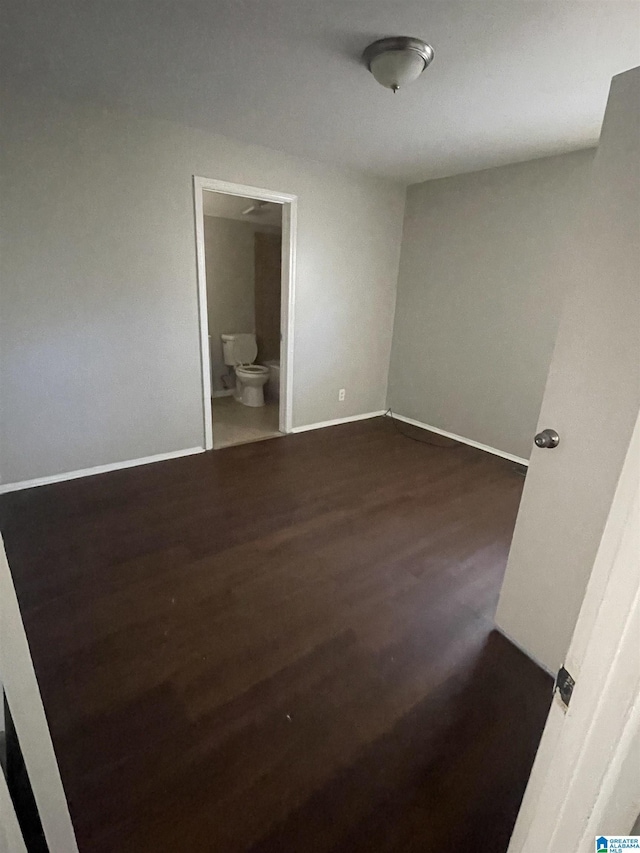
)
(234, 423)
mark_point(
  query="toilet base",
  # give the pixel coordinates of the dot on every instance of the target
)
(252, 395)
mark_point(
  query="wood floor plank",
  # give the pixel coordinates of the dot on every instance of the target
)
(286, 646)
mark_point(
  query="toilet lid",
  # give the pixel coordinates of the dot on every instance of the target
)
(245, 349)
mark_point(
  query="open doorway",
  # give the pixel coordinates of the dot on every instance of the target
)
(243, 261)
(246, 260)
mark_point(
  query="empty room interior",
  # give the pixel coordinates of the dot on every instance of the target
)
(319, 401)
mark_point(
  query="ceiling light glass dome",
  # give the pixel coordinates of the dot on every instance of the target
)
(397, 61)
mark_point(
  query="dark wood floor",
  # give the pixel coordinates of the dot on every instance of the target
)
(283, 647)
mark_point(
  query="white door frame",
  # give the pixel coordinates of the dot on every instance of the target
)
(23, 694)
(287, 292)
(579, 787)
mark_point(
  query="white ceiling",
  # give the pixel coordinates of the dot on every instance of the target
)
(511, 79)
(231, 207)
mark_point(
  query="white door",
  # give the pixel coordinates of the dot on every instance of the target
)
(23, 695)
(586, 778)
(592, 399)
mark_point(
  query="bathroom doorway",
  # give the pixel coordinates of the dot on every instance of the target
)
(245, 240)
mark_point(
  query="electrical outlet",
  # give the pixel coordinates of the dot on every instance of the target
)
(341, 394)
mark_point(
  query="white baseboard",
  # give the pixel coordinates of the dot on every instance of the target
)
(322, 424)
(226, 392)
(519, 459)
(98, 469)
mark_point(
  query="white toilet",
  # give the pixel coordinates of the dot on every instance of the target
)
(240, 351)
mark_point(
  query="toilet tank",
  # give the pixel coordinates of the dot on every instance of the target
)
(239, 348)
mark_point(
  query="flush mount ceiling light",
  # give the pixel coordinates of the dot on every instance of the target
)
(397, 60)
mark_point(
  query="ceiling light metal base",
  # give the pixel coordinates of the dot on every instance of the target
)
(397, 43)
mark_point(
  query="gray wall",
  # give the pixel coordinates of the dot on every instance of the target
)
(229, 253)
(479, 297)
(98, 314)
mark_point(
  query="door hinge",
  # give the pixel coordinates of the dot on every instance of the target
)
(564, 686)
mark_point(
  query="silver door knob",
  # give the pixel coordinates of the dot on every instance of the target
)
(547, 438)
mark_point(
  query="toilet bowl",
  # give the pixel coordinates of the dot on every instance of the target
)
(240, 351)
(251, 379)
